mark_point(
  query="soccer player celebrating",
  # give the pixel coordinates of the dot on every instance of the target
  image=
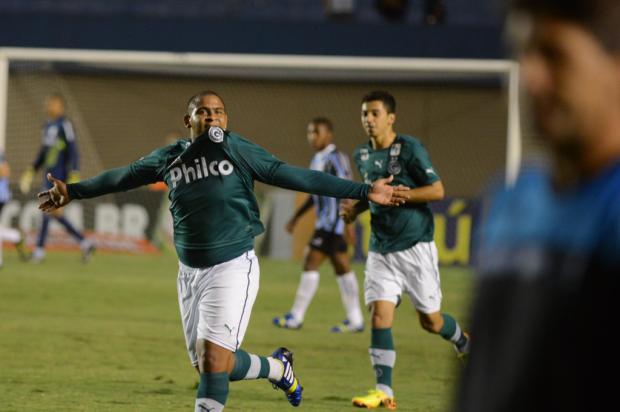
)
(402, 256)
(59, 155)
(328, 239)
(548, 283)
(211, 180)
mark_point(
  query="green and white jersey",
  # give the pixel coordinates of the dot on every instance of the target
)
(211, 190)
(398, 228)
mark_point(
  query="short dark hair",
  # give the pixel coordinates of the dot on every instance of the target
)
(599, 17)
(324, 121)
(193, 101)
(385, 97)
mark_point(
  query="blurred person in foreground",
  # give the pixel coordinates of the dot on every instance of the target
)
(210, 178)
(6, 233)
(331, 237)
(544, 316)
(59, 156)
(402, 256)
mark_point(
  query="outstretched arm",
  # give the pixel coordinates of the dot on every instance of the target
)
(111, 181)
(311, 181)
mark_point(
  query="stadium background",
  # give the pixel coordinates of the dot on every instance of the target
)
(122, 114)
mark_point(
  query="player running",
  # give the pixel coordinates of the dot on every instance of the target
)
(402, 257)
(329, 238)
(211, 178)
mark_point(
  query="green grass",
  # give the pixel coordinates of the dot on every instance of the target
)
(107, 337)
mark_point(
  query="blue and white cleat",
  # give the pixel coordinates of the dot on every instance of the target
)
(346, 327)
(288, 383)
(286, 322)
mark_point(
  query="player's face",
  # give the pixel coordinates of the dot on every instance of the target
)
(209, 112)
(571, 80)
(54, 107)
(319, 136)
(376, 121)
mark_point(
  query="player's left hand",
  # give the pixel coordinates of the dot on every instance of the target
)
(54, 198)
(383, 194)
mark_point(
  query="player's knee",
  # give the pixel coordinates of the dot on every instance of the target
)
(211, 361)
(380, 320)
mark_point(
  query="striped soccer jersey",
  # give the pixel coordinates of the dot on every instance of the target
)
(330, 160)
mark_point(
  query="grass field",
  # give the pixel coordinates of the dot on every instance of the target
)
(107, 337)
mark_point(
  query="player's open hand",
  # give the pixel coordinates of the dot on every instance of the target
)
(54, 198)
(383, 194)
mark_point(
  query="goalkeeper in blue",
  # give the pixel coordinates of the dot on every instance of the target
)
(58, 155)
(210, 178)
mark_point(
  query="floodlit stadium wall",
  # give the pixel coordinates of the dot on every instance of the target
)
(124, 104)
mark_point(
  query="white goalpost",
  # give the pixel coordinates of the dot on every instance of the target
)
(282, 67)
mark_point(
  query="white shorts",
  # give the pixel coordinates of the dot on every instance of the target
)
(216, 301)
(413, 271)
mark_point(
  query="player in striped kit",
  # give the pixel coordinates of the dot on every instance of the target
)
(211, 178)
(329, 239)
(59, 156)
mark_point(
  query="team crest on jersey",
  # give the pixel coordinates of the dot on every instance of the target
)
(394, 167)
(364, 154)
(216, 134)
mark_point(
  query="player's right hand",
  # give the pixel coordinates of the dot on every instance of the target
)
(54, 198)
(25, 181)
(382, 193)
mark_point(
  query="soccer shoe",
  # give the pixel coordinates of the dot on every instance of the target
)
(346, 327)
(88, 248)
(463, 352)
(286, 322)
(37, 256)
(374, 399)
(288, 383)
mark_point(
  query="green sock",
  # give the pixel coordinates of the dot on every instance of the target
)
(452, 331)
(383, 358)
(213, 387)
(249, 366)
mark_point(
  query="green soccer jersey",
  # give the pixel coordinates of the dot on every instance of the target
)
(398, 228)
(211, 189)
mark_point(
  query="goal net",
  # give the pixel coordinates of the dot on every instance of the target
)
(125, 104)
